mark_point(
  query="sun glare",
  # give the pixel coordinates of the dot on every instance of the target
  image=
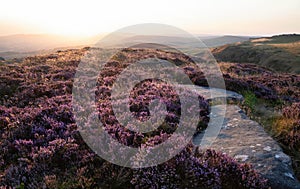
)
(87, 18)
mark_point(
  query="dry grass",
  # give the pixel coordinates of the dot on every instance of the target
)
(293, 48)
(282, 125)
(260, 40)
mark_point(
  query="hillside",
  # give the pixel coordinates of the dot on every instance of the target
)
(41, 145)
(279, 53)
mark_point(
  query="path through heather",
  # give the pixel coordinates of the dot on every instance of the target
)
(246, 140)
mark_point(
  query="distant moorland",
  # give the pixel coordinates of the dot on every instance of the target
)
(279, 53)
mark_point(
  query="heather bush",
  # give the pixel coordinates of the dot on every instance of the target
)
(292, 111)
(288, 126)
(204, 169)
(264, 83)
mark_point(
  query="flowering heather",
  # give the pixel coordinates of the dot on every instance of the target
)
(204, 169)
(40, 145)
(263, 82)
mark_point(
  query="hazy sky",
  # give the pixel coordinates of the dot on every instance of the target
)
(240, 17)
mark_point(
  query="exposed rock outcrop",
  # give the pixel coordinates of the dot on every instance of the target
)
(247, 142)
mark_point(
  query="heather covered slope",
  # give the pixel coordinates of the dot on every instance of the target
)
(279, 53)
(41, 146)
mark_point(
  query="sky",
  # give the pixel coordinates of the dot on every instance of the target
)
(87, 18)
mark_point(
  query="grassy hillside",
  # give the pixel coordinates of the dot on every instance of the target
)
(279, 53)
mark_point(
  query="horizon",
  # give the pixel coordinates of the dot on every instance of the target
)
(104, 34)
(216, 18)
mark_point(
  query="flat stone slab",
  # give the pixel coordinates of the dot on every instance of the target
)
(213, 94)
(247, 142)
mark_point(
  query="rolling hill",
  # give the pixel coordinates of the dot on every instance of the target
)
(280, 53)
(23, 45)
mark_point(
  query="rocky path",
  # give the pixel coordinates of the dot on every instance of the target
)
(247, 142)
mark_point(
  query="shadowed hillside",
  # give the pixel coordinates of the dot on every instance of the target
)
(279, 53)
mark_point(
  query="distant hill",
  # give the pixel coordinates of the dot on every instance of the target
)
(280, 53)
(118, 40)
(209, 41)
(35, 42)
(18, 46)
(22, 45)
(223, 40)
